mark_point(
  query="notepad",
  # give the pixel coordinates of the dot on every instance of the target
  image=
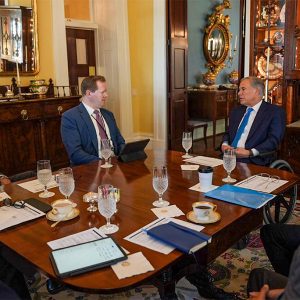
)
(240, 196)
(180, 237)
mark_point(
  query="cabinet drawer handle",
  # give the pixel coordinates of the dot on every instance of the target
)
(60, 109)
(24, 114)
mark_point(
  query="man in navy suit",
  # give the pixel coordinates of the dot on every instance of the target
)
(256, 127)
(84, 126)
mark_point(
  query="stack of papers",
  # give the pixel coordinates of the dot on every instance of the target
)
(261, 183)
(34, 186)
(11, 216)
(205, 161)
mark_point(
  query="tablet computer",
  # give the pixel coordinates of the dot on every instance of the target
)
(133, 151)
(85, 257)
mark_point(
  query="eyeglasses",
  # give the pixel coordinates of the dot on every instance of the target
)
(269, 179)
(16, 204)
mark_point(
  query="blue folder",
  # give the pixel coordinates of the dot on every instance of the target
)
(240, 196)
(181, 237)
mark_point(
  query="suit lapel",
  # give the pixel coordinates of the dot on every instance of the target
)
(91, 129)
(259, 118)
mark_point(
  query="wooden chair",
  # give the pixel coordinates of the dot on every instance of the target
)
(193, 124)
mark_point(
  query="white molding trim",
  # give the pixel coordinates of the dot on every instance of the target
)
(60, 57)
(247, 39)
(123, 54)
(80, 24)
(159, 75)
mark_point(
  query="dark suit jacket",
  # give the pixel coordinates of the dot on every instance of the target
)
(265, 134)
(80, 138)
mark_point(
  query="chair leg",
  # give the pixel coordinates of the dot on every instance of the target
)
(204, 135)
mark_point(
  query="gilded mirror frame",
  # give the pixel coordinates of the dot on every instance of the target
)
(220, 22)
(35, 53)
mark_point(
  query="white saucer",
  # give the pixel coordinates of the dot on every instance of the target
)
(214, 217)
(71, 215)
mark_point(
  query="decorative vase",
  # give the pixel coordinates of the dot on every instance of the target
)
(233, 77)
(38, 86)
(209, 78)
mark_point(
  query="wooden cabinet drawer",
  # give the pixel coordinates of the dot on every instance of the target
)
(19, 111)
(57, 108)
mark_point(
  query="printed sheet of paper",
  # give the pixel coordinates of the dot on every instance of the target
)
(140, 237)
(34, 186)
(205, 161)
(11, 216)
(261, 183)
(88, 235)
(3, 196)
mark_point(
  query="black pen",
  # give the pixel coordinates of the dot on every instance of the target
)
(98, 233)
(143, 230)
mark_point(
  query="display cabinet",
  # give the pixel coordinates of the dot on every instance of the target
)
(268, 23)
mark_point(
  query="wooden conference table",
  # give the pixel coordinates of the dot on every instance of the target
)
(137, 194)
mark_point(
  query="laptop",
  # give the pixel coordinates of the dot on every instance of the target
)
(133, 151)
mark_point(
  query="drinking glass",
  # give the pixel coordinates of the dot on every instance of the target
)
(187, 142)
(160, 185)
(106, 153)
(229, 163)
(44, 175)
(65, 181)
(107, 206)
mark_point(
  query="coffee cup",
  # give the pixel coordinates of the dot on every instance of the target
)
(205, 177)
(204, 210)
(62, 207)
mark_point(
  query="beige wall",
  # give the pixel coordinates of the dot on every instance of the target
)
(140, 25)
(44, 25)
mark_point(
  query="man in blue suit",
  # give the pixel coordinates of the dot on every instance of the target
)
(256, 127)
(84, 126)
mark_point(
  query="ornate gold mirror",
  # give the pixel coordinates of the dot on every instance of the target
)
(18, 38)
(216, 42)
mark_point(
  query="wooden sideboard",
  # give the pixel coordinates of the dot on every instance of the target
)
(30, 130)
(211, 105)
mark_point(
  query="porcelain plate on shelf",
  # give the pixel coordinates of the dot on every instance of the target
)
(215, 217)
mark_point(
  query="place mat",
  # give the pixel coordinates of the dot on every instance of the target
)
(34, 186)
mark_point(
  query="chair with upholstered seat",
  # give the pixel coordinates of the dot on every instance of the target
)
(193, 124)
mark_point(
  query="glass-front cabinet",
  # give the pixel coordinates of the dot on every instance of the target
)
(268, 23)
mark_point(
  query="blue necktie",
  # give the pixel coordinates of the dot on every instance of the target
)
(242, 127)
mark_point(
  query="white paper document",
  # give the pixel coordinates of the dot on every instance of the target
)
(3, 196)
(140, 237)
(136, 264)
(261, 183)
(88, 235)
(34, 186)
(169, 211)
(196, 188)
(11, 216)
(205, 161)
(189, 167)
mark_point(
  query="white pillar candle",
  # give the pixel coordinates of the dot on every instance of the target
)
(268, 62)
(18, 74)
(235, 43)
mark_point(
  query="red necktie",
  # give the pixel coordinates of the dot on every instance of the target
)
(101, 125)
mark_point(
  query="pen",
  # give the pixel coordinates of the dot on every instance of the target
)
(98, 233)
(38, 212)
(143, 230)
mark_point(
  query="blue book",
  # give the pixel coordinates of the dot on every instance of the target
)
(180, 237)
(240, 196)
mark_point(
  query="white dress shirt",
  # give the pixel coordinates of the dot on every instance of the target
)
(93, 118)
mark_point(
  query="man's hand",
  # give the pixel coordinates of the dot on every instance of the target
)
(225, 147)
(266, 293)
(242, 152)
(261, 295)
